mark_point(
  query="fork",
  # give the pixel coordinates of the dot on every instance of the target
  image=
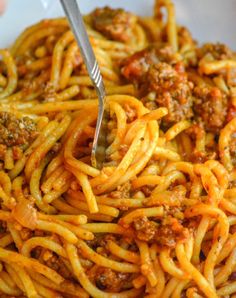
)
(75, 19)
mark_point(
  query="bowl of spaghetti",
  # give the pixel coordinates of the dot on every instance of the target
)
(159, 218)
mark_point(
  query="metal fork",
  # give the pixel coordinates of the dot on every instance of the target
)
(75, 19)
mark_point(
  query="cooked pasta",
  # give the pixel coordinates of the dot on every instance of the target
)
(159, 218)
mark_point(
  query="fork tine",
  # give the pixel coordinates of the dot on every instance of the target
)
(75, 19)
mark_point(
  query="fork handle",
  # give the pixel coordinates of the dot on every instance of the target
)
(75, 18)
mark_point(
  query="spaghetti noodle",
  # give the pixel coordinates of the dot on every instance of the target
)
(159, 219)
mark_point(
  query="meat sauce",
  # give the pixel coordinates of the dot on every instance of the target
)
(107, 279)
(157, 71)
(136, 66)
(172, 90)
(165, 233)
(217, 51)
(115, 24)
(210, 107)
(162, 81)
(14, 131)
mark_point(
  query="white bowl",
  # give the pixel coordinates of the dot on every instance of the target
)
(208, 20)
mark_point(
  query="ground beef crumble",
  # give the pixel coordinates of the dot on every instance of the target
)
(172, 89)
(107, 279)
(217, 51)
(165, 233)
(170, 232)
(14, 131)
(115, 24)
(210, 107)
(122, 192)
(145, 229)
(135, 67)
(100, 240)
(162, 81)
(156, 71)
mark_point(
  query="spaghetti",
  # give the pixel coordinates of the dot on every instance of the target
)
(159, 219)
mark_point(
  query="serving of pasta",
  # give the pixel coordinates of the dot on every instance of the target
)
(159, 218)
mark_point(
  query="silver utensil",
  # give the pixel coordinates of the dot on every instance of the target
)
(75, 19)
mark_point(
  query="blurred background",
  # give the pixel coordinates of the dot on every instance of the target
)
(208, 20)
